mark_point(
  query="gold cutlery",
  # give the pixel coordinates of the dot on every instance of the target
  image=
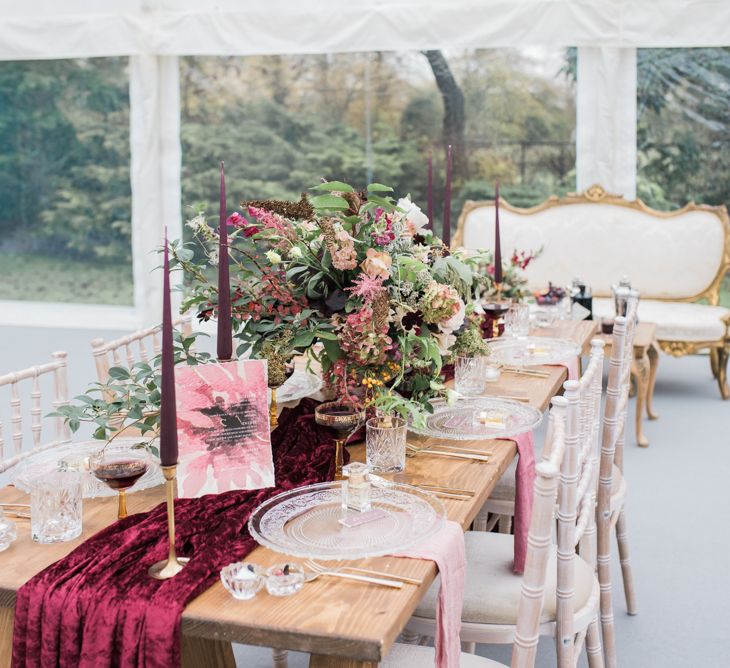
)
(412, 451)
(452, 490)
(318, 571)
(526, 372)
(511, 397)
(364, 571)
(453, 448)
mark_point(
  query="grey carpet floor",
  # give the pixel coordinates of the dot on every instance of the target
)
(678, 514)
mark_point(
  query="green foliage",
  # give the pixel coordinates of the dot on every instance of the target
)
(131, 396)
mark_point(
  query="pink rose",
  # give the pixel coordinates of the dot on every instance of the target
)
(376, 264)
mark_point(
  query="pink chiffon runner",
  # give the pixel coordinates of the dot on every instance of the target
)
(524, 483)
(446, 548)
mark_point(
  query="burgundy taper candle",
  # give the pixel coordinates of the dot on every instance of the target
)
(168, 409)
(429, 191)
(225, 331)
(446, 235)
(497, 239)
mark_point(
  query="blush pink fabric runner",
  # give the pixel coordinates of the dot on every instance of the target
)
(447, 549)
(524, 483)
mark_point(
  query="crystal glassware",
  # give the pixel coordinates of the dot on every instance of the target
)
(120, 466)
(385, 444)
(345, 419)
(56, 506)
(517, 321)
(8, 532)
(284, 579)
(243, 581)
(470, 375)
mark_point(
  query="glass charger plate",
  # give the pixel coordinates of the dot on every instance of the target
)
(479, 418)
(73, 453)
(299, 385)
(304, 522)
(533, 350)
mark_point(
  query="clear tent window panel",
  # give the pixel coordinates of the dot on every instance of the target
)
(683, 129)
(283, 123)
(65, 201)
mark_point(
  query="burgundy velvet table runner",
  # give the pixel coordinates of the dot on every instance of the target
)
(98, 607)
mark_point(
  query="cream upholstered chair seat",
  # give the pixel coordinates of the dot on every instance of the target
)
(676, 321)
(418, 656)
(492, 593)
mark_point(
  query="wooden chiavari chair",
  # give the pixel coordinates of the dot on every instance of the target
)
(19, 382)
(531, 588)
(559, 599)
(612, 487)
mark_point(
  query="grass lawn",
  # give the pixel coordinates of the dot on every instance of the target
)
(725, 292)
(37, 278)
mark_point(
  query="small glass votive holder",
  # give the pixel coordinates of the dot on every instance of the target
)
(243, 581)
(492, 372)
(8, 532)
(469, 375)
(284, 579)
(56, 504)
(385, 444)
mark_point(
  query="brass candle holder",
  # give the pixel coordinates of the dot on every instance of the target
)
(170, 567)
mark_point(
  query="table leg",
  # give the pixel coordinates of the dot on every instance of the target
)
(324, 661)
(653, 355)
(206, 653)
(640, 369)
(7, 616)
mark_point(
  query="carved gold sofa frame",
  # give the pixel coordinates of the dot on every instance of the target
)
(719, 348)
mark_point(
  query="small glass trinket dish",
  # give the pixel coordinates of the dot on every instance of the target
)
(284, 579)
(243, 581)
(8, 532)
(356, 487)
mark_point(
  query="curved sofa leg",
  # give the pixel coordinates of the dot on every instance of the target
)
(713, 362)
(722, 358)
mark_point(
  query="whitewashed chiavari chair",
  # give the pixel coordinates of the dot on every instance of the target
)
(610, 513)
(140, 346)
(19, 382)
(566, 597)
(525, 633)
(499, 508)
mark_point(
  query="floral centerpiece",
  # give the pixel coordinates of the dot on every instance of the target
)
(355, 280)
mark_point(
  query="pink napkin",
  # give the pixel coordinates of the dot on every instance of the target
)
(524, 483)
(446, 548)
(572, 366)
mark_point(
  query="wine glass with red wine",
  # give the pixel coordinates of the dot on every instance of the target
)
(120, 466)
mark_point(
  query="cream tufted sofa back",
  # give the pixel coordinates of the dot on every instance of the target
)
(600, 237)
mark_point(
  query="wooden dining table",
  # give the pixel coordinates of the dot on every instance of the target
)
(338, 622)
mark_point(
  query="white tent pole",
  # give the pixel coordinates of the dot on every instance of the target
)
(154, 99)
(606, 119)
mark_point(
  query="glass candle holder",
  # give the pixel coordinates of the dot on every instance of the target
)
(469, 375)
(243, 581)
(385, 444)
(284, 579)
(8, 532)
(492, 372)
(55, 507)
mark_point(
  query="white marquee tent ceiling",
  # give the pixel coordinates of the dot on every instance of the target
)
(75, 28)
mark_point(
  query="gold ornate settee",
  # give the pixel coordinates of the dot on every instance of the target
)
(676, 259)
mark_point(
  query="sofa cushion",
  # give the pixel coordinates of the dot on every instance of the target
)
(601, 242)
(675, 321)
(492, 593)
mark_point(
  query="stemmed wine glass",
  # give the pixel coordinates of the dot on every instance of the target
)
(345, 419)
(120, 466)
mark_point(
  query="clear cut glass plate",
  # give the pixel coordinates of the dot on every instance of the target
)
(533, 350)
(75, 455)
(299, 385)
(478, 418)
(304, 522)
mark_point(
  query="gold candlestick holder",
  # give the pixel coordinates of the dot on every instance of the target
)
(273, 417)
(170, 567)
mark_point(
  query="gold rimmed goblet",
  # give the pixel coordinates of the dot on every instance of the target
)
(345, 419)
(120, 467)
